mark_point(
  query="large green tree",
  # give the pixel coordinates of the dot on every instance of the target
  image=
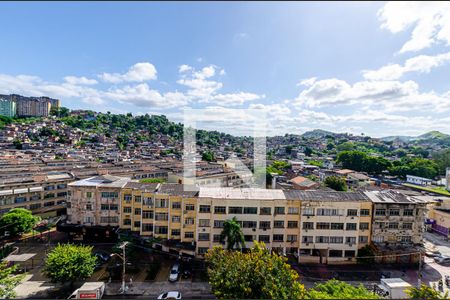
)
(258, 274)
(335, 289)
(18, 221)
(425, 292)
(442, 160)
(336, 183)
(70, 263)
(232, 234)
(8, 281)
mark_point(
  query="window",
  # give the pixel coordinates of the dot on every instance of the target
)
(329, 212)
(126, 197)
(189, 221)
(202, 250)
(308, 211)
(393, 225)
(161, 230)
(322, 225)
(278, 237)
(216, 238)
(250, 210)
(148, 201)
(176, 232)
(137, 224)
(218, 224)
(147, 227)
(352, 212)
(47, 204)
(407, 226)
(308, 225)
(161, 203)
(220, 209)
(176, 205)
(35, 206)
(203, 236)
(307, 239)
(109, 219)
(126, 222)
(264, 238)
(89, 207)
(88, 194)
(394, 212)
(203, 223)
(349, 253)
(104, 207)
(363, 239)
(364, 212)
(161, 216)
(264, 225)
(292, 224)
(205, 209)
(113, 207)
(278, 224)
(335, 253)
(378, 239)
(279, 210)
(189, 235)
(249, 238)
(408, 212)
(235, 210)
(137, 199)
(350, 240)
(336, 239)
(380, 212)
(363, 226)
(405, 239)
(322, 239)
(176, 219)
(337, 226)
(379, 225)
(88, 219)
(249, 224)
(137, 211)
(190, 207)
(110, 195)
(265, 211)
(292, 238)
(147, 214)
(293, 210)
(350, 226)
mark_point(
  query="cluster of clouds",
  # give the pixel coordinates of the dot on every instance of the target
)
(382, 96)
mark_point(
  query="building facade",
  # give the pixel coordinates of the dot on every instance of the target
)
(34, 106)
(7, 106)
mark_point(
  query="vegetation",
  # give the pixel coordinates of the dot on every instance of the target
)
(425, 292)
(8, 281)
(232, 234)
(70, 263)
(335, 289)
(366, 255)
(336, 183)
(208, 156)
(152, 180)
(258, 274)
(437, 190)
(18, 221)
(442, 160)
(361, 161)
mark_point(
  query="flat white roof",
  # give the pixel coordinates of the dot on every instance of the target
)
(395, 282)
(19, 257)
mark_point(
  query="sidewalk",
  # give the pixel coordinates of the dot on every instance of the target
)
(156, 288)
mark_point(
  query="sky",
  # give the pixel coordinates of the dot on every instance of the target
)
(377, 68)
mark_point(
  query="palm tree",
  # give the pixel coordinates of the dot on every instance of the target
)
(233, 235)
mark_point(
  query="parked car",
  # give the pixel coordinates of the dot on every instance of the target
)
(174, 273)
(102, 258)
(433, 254)
(173, 295)
(442, 260)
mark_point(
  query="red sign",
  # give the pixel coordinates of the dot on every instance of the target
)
(88, 296)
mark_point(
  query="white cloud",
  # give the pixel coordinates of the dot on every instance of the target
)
(184, 68)
(307, 82)
(139, 72)
(420, 64)
(430, 21)
(234, 98)
(80, 80)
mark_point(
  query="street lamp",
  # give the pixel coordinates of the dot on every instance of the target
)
(123, 257)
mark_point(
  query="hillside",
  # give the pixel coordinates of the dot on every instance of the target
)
(318, 133)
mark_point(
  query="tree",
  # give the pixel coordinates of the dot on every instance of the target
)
(232, 234)
(366, 255)
(336, 183)
(70, 263)
(18, 221)
(258, 274)
(208, 156)
(425, 292)
(442, 160)
(308, 151)
(335, 289)
(8, 281)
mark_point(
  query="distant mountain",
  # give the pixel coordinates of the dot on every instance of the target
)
(432, 136)
(318, 133)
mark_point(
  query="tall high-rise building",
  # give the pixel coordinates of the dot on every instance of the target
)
(34, 106)
(447, 176)
(7, 106)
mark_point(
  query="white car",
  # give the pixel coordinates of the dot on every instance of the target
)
(173, 295)
(174, 273)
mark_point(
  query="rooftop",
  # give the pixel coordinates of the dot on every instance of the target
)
(325, 196)
(390, 196)
(244, 193)
(102, 181)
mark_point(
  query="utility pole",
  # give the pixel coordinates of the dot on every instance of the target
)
(419, 280)
(123, 266)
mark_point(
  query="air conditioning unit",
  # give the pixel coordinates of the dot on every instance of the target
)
(307, 217)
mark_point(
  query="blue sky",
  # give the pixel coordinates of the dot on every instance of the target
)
(374, 67)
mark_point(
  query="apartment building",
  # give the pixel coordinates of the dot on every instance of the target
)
(95, 201)
(334, 225)
(7, 106)
(43, 194)
(34, 106)
(398, 219)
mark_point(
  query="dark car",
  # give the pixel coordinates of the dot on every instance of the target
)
(102, 258)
